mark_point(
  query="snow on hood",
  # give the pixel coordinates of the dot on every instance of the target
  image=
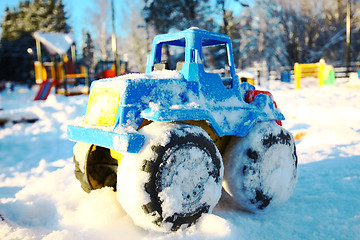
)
(119, 81)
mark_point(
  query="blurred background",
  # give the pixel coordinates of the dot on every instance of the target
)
(273, 34)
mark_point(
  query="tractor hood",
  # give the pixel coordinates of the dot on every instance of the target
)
(121, 100)
(115, 107)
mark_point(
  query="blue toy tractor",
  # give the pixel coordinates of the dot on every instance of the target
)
(160, 138)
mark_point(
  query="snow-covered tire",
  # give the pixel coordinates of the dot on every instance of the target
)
(94, 167)
(176, 177)
(261, 168)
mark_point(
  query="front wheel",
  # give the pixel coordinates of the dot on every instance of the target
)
(261, 168)
(175, 178)
(94, 166)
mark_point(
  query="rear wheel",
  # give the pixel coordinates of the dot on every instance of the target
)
(94, 167)
(261, 168)
(175, 178)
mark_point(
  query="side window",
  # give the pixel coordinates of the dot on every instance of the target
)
(215, 60)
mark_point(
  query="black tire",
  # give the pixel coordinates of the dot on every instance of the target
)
(177, 177)
(261, 168)
(94, 167)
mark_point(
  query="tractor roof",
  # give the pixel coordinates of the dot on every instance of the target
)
(179, 38)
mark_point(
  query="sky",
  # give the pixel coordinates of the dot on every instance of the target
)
(77, 9)
(76, 12)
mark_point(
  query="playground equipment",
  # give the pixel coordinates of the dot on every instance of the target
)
(72, 78)
(246, 76)
(285, 76)
(322, 71)
(45, 76)
(160, 138)
(106, 69)
(62, 74)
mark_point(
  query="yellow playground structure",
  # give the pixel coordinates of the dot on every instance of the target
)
(62, 74)
(322, 71)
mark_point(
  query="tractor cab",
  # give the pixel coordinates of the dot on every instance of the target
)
(196, 53)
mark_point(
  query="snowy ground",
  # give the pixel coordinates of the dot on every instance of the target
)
(41, 199)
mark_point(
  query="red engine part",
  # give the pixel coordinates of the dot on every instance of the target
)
(250, 96)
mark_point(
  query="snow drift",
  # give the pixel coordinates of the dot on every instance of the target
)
(41, 199)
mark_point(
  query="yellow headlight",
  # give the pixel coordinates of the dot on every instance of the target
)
(102, 106)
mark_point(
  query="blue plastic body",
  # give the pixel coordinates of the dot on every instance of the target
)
(188, 94)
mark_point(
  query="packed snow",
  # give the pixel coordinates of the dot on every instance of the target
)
(41, 198)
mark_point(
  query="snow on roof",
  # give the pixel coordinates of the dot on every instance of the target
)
(246, 74)
(55, 43)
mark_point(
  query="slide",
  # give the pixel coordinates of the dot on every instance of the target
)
(44, 90)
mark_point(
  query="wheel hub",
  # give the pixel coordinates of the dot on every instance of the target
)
(185, 171)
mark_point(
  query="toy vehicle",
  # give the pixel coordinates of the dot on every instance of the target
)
(160, 138)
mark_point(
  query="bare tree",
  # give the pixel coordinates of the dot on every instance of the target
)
(283, 32)
(136, 36)
(99, 19)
